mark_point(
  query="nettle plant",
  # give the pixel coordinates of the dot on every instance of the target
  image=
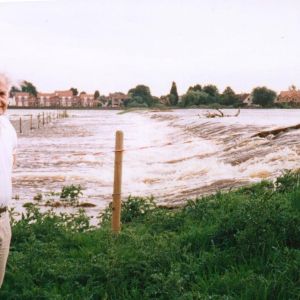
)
(71, 193)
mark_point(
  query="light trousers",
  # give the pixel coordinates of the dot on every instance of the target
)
(5, 237)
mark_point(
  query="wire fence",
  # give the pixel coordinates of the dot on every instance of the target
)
(24, 124)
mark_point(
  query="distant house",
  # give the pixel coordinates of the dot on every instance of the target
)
(45, 99)
(57, 99)
(291, 96)
(87, 100)
(165, 100)
(24, 99)
(65, 98)
(246, 99)
(117, 99)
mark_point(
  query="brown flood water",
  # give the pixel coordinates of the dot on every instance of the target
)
(173, 155)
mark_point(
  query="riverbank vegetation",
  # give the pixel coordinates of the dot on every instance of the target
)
(242, 244)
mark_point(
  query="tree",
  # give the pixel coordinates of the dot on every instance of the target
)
(28, 87)
(173, 94)
(96, 95)
(211, 90)
(229, 97)
(195, 88)
(74, 91)
(141, 94)
(13, 90)
(213, 93)
(137, 101)
(263, 96)
(194, 98)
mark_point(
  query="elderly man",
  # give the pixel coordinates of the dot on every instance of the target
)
(8, 143)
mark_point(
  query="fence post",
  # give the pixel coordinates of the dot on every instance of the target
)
(20, 124)
(30, 122)
(38, 118)
(116, 204)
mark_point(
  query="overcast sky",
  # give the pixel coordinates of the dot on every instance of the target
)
(115, 45)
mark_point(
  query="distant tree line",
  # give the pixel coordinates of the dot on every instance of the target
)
(195, 96)
(209, 95)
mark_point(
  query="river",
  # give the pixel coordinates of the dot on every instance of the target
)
(172, 155)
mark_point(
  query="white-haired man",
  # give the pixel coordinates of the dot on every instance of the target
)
(8, 143)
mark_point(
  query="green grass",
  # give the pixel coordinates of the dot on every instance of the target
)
(243, 244)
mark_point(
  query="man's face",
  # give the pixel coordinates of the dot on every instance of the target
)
(3, 97)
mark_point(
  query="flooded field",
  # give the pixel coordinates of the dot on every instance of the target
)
(174, 155)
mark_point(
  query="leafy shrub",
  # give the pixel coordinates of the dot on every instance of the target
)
(71, 192)
(288, 181)
(136, 207)
(132, 208)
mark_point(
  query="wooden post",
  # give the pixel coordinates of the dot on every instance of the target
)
(116, 204)
(43, 119)
(20, 123)
(38, 119)
(30, 122)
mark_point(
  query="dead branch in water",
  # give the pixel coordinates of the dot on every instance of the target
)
(219, 114)
(276, 131)
(238, 112)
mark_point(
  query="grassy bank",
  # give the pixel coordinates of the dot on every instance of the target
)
(238, 245)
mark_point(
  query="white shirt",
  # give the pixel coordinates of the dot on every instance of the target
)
(8, 144)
